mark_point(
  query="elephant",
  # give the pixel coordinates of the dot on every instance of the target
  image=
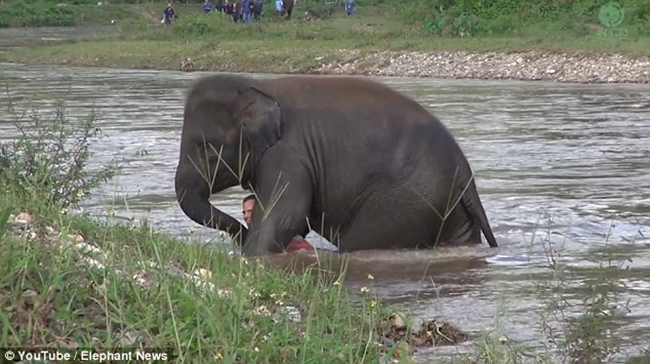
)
(360, 163)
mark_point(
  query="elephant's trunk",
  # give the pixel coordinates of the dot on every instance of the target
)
(193, 193)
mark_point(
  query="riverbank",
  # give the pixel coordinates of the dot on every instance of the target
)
(571, 67)
(534, 65)
(76, 283)
(371, 43)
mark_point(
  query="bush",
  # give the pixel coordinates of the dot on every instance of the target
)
(36, 14)
(640, 13)
(201, 25)
(25, 13)
(462, 17)
(47, 164)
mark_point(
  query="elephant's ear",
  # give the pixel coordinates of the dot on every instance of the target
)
(261, 119)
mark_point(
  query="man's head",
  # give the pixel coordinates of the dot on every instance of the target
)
(248, 204)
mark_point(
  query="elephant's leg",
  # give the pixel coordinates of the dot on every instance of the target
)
(284, 200)
(383, 222)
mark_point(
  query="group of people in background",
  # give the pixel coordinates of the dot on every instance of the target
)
(246, 11)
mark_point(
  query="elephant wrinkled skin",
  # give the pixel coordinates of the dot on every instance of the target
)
(361, 164)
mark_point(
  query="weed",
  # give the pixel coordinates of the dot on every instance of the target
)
(46, 166)
(587, 337)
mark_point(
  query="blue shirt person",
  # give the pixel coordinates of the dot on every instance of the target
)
(247, 10)
(207, 7)
(350, 7)
(168, 14)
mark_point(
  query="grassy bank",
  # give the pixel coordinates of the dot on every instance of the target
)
(22, 13)
(300, 44)
(55, 292)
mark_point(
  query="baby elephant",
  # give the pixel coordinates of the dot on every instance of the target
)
(356, 161)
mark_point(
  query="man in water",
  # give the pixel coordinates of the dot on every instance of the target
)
(248, 204)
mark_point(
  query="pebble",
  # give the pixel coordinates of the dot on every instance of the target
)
(23, 218)
(523, 66)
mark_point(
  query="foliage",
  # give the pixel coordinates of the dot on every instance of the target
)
(585, 337)
(38, 14)
(469, 17)
(213, 25)
(47, 164)
(49, 296)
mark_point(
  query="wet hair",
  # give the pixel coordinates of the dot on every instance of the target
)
(249, 197)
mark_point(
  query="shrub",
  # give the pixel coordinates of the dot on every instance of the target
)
(36, 14)
(461, 17)
(47, 164)
(193, 25)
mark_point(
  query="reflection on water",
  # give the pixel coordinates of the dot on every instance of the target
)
(568, 163)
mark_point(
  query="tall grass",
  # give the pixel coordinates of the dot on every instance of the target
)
(42, 13)
(581, 314)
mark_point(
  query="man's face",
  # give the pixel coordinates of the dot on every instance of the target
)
(247, 211)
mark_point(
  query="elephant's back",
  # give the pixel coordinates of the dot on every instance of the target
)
(359, 111)
(359, 114)
(347, 94)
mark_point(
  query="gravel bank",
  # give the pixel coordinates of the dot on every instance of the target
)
(524, 66)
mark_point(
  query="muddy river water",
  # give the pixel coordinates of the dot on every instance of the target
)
(568, 165)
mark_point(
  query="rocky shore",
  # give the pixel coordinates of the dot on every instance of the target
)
(535, 65)
(524, 66)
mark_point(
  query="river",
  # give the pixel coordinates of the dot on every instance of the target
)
(561, 163)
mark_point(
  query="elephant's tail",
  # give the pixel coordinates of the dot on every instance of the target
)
(473, 204)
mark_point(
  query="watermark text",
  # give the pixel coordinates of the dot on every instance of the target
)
(97, 356)
(611, 16)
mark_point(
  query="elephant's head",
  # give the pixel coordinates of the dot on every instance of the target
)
(229, 122)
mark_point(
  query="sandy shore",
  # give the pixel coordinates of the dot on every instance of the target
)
(525, 66)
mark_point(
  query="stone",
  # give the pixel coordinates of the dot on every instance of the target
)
(23, 218)
(523, 66)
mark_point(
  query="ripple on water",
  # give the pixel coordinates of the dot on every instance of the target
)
(554, 162)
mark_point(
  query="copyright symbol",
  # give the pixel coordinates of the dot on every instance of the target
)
(9, 355)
